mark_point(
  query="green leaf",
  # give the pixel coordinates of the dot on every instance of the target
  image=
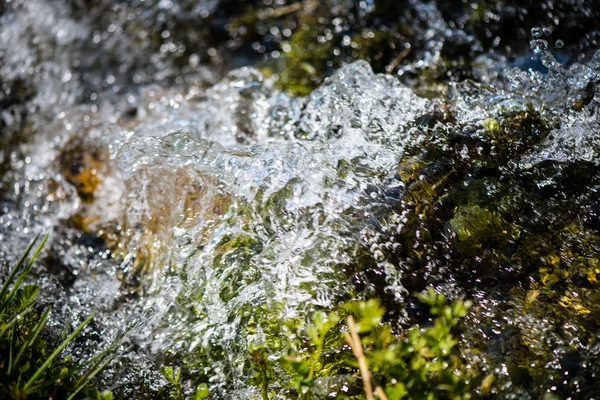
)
(167, 372)
(298, 365)
(396, 392)
(369, 313)
(64, 372)
(13, 272)
(56, 352)
(105, 395)
(97, 395)
(25, 295)
(201, 392)
(177, 376)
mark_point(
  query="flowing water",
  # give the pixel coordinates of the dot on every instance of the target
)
(202, 205)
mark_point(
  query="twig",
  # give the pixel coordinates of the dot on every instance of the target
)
(356, 345)
(381, 393)
(308, 6)
(278, 12)
(391, 66)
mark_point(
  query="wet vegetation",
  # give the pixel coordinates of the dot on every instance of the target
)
(363, 357)
(31, 364)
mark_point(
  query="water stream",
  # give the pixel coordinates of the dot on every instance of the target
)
(205, 205)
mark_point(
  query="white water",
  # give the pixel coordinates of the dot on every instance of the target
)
(293, 184)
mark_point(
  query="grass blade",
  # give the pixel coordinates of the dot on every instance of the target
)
(34, 334)
(88, 376)
(38, 250)
(27, 269)
(14, 271)
(10, 350)
(64, 331)
(98, 357)
(56, 352)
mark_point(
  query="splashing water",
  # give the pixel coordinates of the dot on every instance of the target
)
(211, 211)
(232, 200)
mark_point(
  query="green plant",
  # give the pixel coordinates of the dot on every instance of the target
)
(263, 370)
(173, 375)
(306, 365)
(421, 363)
(30, 366)
(424, 362)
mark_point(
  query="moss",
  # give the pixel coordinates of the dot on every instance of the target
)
(491, 125)
(305, 65)
(568, 274)
(523, 239)
(474, 227)
(236, 250)
(553, 300)
(518, 131)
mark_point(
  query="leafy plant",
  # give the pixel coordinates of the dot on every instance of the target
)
(30, 366)
(421, 363)
(306, 366)
(263, 370)
(173, 375)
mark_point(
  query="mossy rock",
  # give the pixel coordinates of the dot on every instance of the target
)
(474, 228)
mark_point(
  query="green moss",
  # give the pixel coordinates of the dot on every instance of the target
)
(491, 125)
(474, 227)
(304, 65)
(238, 249)
(517, 131)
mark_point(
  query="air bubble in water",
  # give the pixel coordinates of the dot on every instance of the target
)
(559, 44)
(548, 30)
(536, 32)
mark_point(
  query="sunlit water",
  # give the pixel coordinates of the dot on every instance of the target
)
(215, 201)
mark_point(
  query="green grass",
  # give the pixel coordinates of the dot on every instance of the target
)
(31, 367)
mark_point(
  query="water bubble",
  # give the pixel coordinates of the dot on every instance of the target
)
(580, 76)
(536, 32)
(194, 60)
(559, 44)
(548, 30)
(538, 45)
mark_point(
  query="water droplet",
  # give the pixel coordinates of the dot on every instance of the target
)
(548, 30)
(538, 45)
(559, 44)
(194, 60)
(536, 32)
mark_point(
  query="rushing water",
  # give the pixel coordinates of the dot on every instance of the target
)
(184, 205)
